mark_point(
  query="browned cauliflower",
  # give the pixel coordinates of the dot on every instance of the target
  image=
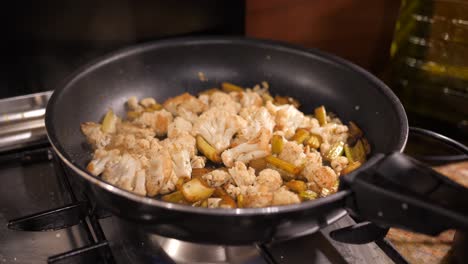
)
(186, 106)
(94, 135)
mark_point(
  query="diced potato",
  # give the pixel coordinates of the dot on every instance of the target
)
(307, 195)
(258, 164)
(284, 165)
(209, 91)
(198, 172)
(314, 141)
(229, 87)
(301, 135)
(153, 108)
(174, 197)
(240, 201)
(359, 152)
(181, 181)
(366, 145)
(109, 123)
(335, 151)
(133, 114)
(354, 131)
(348, 152)
(321, 115)
(206, 149)
(276, 144)
(281, 100)
(351, 167)
(296, 186)
(226, 200)
(196, 190)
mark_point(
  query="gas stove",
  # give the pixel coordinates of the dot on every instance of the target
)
(43, 221)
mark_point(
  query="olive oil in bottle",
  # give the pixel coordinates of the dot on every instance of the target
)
(429, 60)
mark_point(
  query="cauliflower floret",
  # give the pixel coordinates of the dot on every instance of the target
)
(130, 128)
(184, 142)
(309, 122)
(217, 178)
(338, 164)
(157, 120)
(288, 119)
(101, 159)
(313, 156)
(218, 127)
(186, 106)
(241, 175)
(257, 118)
(213, 202)
(178, 127)
(293, 153)
(170, 184)
(140, 182)
(181, 162)
(198, 162)
(204, 98)
(331, 133)
(258, 199)
(136, 146)
(123, 172)
(159, 172)
(94, 135)
(249, 98)
(283, 196)
(224, 102)
(255, 148)
(132, 104)
(271, 179)
(322, 176)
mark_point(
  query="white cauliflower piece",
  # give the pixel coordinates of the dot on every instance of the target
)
(178, 127)
(270, 179)
(213, 202)
(101, 159)
(258, 199)
(331, 133)
(181, 162)
(130, 128)
(136, 146)
(170, 184)
(293, 153)
(309, 122)
(184, 142)
(158, 121)
(313, 156)
(159, 172)
(288, 119)
(321, 176)
(241, 175)
(198, 162)
(257, 118)
(140, 182)
(186, 106)
(283, 197)
(204, 98)
(249, 98)
(216, 178)
(224, 102)
(123, 172)
(218, 127)
(255, 148)
(94, 135)
(339, 163)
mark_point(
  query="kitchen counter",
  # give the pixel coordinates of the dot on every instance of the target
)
(417, 248)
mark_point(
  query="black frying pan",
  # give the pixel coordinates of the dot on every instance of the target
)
(377, 191)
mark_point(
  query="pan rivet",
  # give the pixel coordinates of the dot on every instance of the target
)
(404, 206)
(380, 213)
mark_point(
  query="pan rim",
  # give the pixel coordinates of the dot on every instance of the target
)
(184, 41)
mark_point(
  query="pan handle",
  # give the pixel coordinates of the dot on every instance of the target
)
(399, 191)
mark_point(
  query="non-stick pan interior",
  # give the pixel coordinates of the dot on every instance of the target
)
(169, 68)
